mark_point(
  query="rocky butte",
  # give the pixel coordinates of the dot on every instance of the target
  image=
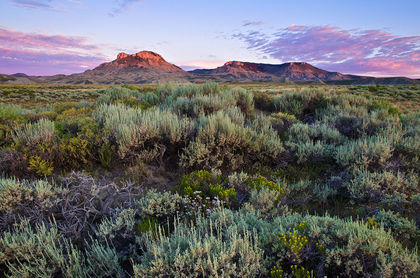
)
(141, 67)
(150, 67)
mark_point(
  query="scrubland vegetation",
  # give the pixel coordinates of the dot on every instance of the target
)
(210, 181)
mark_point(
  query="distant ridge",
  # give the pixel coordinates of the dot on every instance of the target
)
(19, 75)
(150, 67)
(295, 72)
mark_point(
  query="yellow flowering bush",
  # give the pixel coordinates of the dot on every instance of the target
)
(276, 272)
(301, 272)
(294, 241)
(205, 185)
(371, 222)
(301, 226)
(259, 181)
(321, 246)
(41, 167)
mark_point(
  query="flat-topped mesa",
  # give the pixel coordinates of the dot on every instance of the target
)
(150, 67)
(142, 55)
(240, 66)
(142, 59)
(234, 64)
(122, 55)
(295, 71)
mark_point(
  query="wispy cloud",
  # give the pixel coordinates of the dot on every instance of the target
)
(356, 51)
(15, 39)
(122, 6)
(41, 54)
(33, 4)
(252, 23)
(50, 5)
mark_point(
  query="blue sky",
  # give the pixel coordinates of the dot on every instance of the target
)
(373, 37)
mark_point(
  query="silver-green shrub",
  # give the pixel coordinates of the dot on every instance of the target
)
(210, 248)
(132, 128)
(113, 95)
(34, 201)
(313, 142)
(37, 253)
(203, 100)
(33, 133)
(299, 101)
(365, 151)
(349, 247)
(221, 142)
(400, 226)
(44, 252)
(385, 186)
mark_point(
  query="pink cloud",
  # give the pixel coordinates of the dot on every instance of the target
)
(350, 51)
(42, 54)
(42, 63)
(21, 40)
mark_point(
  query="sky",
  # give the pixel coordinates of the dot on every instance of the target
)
(366, 37)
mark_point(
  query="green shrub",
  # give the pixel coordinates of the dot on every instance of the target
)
(106, 152)
(301, 272)
(147, 224)
(31, 134)
(101, 260)
(294, 241)
(402, 228)
(161, 205)
(134, 129)
(222, 144)
(75, 152)
(121, 223)
(201, 105)
(276, 272)
(350, 126)
(348, 247)
(111, 95)
(302, 133)
(195, 101)
(264, 102)
(10, 112)
(385, 186)
(34, 201)
(266, 202)
(209, 248)
(44, 252)
(282, 121)
(5, 135)
(313, 142)
(204, 184)
(29, 253)
(386, 106)
(244, 99)
(301, 103)
(42, 167)
(259, 182)
(367, 151)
